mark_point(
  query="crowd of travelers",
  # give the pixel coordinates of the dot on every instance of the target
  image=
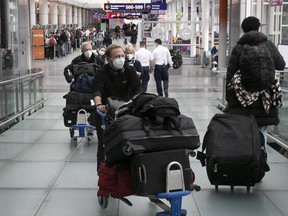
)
(63, 41)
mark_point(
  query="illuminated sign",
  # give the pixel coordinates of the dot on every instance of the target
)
(154, 6)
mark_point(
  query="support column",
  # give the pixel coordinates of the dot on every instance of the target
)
(32, 12)
(193, 28)
(75, 15)
(205, 25)
(69, 14)
(79, 17)
(62, 14)
(43, 12)
(185, 12)
(53, 13)
(222, 34)
(173, 16)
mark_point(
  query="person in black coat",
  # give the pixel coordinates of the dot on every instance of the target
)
(252, 36)
(114, 79)
(86, 56)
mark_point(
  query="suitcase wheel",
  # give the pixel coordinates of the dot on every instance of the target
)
(75, 141)
(103, 202)
(197, 188)
(71, 130)
(248, 188)
(127, 150)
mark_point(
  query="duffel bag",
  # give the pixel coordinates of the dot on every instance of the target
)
(131, 134)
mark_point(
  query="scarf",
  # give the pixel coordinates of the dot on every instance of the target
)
(270, 97)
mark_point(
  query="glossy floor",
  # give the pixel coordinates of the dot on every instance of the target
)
(42, 173)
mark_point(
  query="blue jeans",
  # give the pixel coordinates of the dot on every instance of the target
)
(145, 77)
(161, 74)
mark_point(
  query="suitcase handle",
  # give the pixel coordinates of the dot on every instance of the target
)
(142, 174)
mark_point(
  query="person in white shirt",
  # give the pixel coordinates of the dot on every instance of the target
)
(163, 62)
(146, 58)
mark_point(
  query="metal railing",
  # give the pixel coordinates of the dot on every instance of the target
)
(273, 133)
(19, 97)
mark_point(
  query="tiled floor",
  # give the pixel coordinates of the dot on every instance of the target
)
(43, 174)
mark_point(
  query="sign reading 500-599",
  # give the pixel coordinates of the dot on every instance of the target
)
(124, 6)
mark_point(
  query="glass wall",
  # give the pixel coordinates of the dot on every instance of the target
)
(284, 39)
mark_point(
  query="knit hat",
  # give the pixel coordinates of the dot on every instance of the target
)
(250, 23)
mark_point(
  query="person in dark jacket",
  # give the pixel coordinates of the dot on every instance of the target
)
(114, 79)
(86, 56)
(252, 36)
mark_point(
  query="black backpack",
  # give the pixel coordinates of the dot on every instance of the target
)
(156, 109)
(257, 67)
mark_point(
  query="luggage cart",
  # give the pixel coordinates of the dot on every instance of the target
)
(82, 125)
(175, 190)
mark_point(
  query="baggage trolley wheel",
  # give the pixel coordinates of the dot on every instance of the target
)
(103, 202)
(198, 188)
(216, 187)
(232, 187)
(89, 141)
(75, 141)
(127, 150)
(71, 130)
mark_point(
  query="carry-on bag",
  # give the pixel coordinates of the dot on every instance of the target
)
(149, 170)
(115, 180)
(235, 153)
(70, 117)
(129, 135)
(77, 100)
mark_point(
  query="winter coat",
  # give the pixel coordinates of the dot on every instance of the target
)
(256, 109)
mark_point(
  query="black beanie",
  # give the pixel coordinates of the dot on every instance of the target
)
(250, 24)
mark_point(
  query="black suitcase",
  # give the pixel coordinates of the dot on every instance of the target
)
(129, 134)
(70, 117)
(149, 170)
(234, 152)
(77, 100)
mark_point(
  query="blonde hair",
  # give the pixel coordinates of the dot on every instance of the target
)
(84, 45)
(129, 49)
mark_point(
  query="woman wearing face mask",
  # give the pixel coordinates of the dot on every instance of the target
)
(86, 56)
(114, 79)
(129, 57)
(101, 53)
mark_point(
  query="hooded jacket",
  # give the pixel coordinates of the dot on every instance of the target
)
(256, 109)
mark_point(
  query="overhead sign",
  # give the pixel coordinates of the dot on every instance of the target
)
(160, 6)
(124, 6)
(120, 6)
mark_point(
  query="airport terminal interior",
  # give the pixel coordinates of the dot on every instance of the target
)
(43, 172)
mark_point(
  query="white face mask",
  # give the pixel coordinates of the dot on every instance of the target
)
(130, 57)
(101, 52)
(118, 63)
(88, 54)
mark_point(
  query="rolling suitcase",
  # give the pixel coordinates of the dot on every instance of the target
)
(149, 170)
(234, 155)
(129, 135)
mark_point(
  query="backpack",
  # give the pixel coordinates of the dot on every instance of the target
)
(83, 83)
(151, 107)
(52, 41)
(257, 67)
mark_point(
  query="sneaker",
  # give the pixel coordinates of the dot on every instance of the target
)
(166, 93)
